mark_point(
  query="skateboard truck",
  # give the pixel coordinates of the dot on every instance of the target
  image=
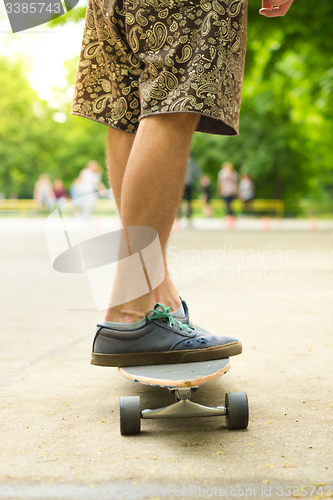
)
(236, 410)
(181, 380)
(184, 408)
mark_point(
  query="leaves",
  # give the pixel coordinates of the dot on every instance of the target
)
(32, 142)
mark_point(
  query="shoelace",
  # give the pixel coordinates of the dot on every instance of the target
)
(166, 316)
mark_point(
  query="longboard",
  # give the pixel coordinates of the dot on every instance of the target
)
(179, 375)
(181, 379)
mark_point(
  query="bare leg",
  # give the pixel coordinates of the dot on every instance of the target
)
(119, 148)
(152, 186)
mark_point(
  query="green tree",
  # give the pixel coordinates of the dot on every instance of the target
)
(22, 138)
(287, 113)
(32, 142)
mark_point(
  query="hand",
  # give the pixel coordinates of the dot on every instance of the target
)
(269, 10)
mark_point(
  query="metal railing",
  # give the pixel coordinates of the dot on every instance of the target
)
(257, 206)
(277, 208)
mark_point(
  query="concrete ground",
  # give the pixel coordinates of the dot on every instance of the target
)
(60, 434)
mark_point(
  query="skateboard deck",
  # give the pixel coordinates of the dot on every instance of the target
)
(181, 379)
(179, 375)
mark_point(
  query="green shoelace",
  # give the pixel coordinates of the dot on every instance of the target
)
(165, 314)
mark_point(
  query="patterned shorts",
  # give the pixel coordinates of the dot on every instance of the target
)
(148, 57)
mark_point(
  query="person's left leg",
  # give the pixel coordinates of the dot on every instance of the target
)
(119, 147)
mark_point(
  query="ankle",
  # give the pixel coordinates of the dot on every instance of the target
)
(123, 315)
(169, 300)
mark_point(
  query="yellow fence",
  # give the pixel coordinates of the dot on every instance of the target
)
(257, 206)
(24, 207)
(30, 207)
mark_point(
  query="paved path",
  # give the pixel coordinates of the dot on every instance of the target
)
(59, 415)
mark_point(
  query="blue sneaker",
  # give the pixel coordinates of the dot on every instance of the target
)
(162, 340)
(187, 319)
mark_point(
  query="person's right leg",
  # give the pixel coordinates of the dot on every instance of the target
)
(119, 148)
(152, 188)
(139, 331)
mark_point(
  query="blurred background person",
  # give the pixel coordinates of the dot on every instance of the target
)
(193, 172)
(60, 192)
(246, 192)
(88, 186)
(75, 195)
(206, 187)
(227, 185)
(43, 193)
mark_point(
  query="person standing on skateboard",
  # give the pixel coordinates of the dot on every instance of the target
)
(154, 72)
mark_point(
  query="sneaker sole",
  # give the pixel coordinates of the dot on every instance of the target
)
(166, 357)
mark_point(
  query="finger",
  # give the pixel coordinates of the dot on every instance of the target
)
(266, 4)
(279, 11)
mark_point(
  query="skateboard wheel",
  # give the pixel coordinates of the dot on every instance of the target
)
(237, 410)
(130, 416)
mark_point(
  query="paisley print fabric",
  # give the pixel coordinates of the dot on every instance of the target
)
(144, 57)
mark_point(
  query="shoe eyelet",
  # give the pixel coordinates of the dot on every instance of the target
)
(202, 340)
(188, 342)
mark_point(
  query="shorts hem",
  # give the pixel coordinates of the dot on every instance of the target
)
(208, 124)
(102, 123)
